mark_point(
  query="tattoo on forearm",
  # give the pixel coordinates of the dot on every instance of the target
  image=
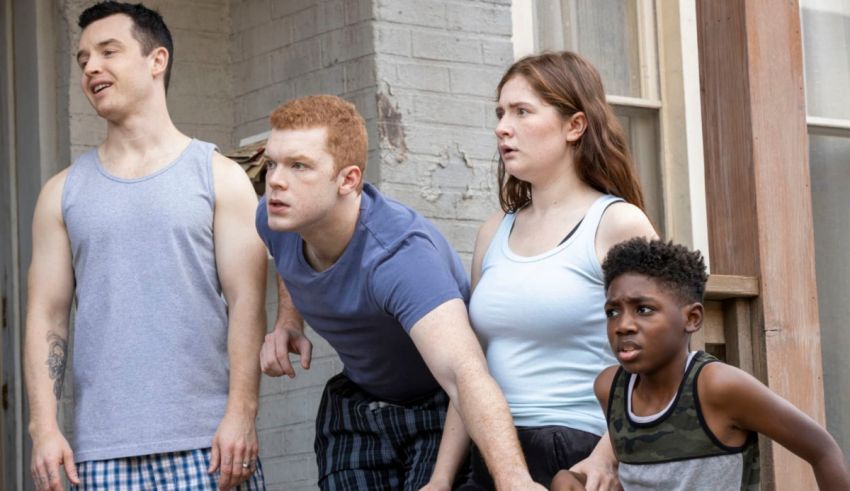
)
(56, 358)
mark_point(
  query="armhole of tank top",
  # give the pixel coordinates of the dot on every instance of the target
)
(596, 264)
(209, 172)
(63, 204)
(499, 239)
(620, 373)
(703, 424)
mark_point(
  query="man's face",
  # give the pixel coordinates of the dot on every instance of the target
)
(648, 326)
(114, 72)
(302, 185)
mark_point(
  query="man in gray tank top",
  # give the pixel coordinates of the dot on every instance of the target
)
(151, 233)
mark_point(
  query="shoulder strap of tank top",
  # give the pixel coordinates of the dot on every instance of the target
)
(617, 393)
(594, 214)
(590, 226)
(497, 243)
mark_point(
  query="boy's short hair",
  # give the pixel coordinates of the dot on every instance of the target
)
(675, 266)
(347, 141)
(148, 27)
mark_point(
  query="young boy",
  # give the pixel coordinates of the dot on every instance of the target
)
(677, 419)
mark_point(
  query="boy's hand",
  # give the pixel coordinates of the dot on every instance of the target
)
(566, 480)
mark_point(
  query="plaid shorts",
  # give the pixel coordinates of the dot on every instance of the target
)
(363, 443)
(185, 470)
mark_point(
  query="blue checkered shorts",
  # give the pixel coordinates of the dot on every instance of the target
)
(166, 471)
(365, 444)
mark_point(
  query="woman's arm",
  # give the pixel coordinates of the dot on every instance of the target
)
(599, 469)
(621, 221)
(455, 442)
(454, 447)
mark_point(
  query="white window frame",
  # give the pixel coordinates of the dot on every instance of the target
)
(828, 126)
(816, 125)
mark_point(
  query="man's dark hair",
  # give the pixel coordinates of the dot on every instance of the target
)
(148, 27)
(678, 269)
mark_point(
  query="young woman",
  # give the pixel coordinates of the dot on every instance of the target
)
(568, 192)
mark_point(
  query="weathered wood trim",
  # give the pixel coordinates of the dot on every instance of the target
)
(759, 201)
(722, 287)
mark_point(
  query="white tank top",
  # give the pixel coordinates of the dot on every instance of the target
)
(541, 322)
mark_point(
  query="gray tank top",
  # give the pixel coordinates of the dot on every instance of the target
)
(150, 368)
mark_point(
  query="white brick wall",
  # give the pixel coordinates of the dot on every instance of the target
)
(290, 48)
(438, 65)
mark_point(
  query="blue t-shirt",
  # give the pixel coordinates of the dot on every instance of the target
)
(396, 268)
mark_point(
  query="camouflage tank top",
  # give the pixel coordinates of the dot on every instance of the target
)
(676, 450)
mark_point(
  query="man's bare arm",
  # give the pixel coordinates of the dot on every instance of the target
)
(286, 337)
(287, 315)
(452, 353)
(241, 263)
(49, 294)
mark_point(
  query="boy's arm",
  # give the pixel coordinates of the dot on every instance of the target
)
(241, 262)
(750, 406)
(49, 294)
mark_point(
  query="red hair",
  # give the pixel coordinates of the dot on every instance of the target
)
(347, 141)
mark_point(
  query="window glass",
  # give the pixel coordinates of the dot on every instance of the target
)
(826, 43)
(829, 159)
(604, 31)
(641, 128)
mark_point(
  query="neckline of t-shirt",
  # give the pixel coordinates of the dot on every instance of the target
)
(578, 232)
(365, 207)
(161, 170)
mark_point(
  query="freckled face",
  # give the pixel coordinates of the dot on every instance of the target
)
(302, 185)
(647, 325)
(532, 135)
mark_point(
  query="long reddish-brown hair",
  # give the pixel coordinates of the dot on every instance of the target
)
(571, 84)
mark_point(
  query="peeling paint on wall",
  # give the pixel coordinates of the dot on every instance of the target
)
(391, 128)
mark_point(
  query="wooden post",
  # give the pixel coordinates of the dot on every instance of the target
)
(758, 197)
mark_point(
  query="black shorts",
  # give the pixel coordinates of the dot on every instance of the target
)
(547, 450)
